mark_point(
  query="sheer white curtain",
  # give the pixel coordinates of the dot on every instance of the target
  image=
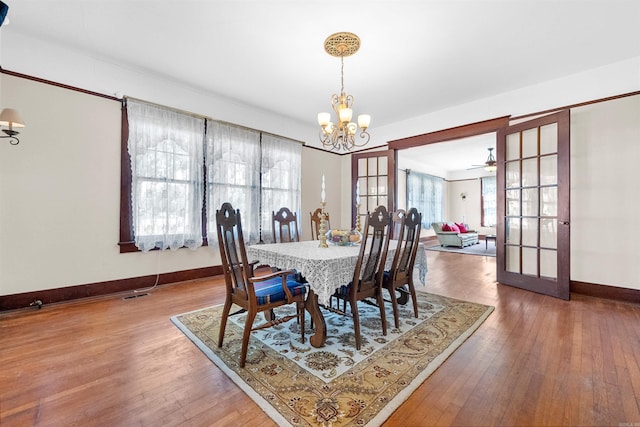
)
(281, 179)
(425, 193)
(489, 200)
(166, 153)
(233, 175)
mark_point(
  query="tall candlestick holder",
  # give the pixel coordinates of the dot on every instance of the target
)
(358, 217)
(323, 227)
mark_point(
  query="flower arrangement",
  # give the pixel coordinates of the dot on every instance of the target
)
(344, 237)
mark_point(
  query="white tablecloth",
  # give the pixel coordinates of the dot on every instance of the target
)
(326, 269)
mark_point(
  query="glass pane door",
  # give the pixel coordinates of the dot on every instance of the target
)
(532, 185)
(533, 209)
(372, 184)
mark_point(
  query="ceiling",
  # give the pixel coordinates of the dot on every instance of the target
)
(416, 57)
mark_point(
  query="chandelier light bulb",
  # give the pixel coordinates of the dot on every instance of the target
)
(345, 115)
(324, 119)
(364, 120)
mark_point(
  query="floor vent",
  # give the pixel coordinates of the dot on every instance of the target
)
(134, 296)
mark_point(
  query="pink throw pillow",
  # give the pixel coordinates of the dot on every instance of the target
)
(446, 227)
(462, 228)
(455, 228)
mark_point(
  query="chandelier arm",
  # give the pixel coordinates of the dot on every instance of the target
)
(330, 140)
(336, 138)
(349, 100)
(13, 140)
(324, 138)
(364, 135)
(335, 102)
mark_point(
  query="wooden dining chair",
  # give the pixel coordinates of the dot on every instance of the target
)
(399, 277)
(252, 294)
(285, 226)
(316, 217)
(368, 274)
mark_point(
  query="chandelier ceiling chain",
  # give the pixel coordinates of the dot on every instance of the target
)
(343, 134)
(491, 164)
(342, 74)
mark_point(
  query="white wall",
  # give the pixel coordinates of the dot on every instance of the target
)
(605, 193)
(59, 189)
(316, 163)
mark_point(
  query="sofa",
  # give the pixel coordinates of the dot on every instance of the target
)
(456, 237)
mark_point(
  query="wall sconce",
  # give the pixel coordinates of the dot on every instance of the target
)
(10, 117)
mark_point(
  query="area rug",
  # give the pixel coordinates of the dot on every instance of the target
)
(337, 385)
(479, 249)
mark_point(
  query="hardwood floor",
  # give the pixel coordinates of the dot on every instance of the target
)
(535, 361)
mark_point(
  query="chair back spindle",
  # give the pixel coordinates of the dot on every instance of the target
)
(397, 218)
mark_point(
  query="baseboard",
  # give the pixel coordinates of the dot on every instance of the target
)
(49, 296)
(608, 292)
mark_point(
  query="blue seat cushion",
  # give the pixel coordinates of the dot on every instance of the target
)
(343, 291)
(296, 275)
(271, 290)
(386, 277)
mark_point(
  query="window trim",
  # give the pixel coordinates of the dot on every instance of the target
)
(126, 243)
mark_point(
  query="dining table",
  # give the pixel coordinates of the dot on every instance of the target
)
(325, 269)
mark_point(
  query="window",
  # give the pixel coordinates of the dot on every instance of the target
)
(233, 175)
(255, 171)
(170, 157)
(488, 201)
(165, 148)
(425, 193)
(281, 180)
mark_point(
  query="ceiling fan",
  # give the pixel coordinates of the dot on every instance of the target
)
(490, 165)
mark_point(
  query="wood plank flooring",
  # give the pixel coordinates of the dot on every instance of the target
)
(536, 361)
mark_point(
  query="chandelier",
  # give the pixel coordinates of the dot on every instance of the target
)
(343, 134)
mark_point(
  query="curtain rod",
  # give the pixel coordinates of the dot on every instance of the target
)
(200, 116)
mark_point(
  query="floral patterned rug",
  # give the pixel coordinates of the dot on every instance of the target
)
(337, 385)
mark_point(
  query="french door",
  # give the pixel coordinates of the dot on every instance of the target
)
(533, 205)
(373, 180)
